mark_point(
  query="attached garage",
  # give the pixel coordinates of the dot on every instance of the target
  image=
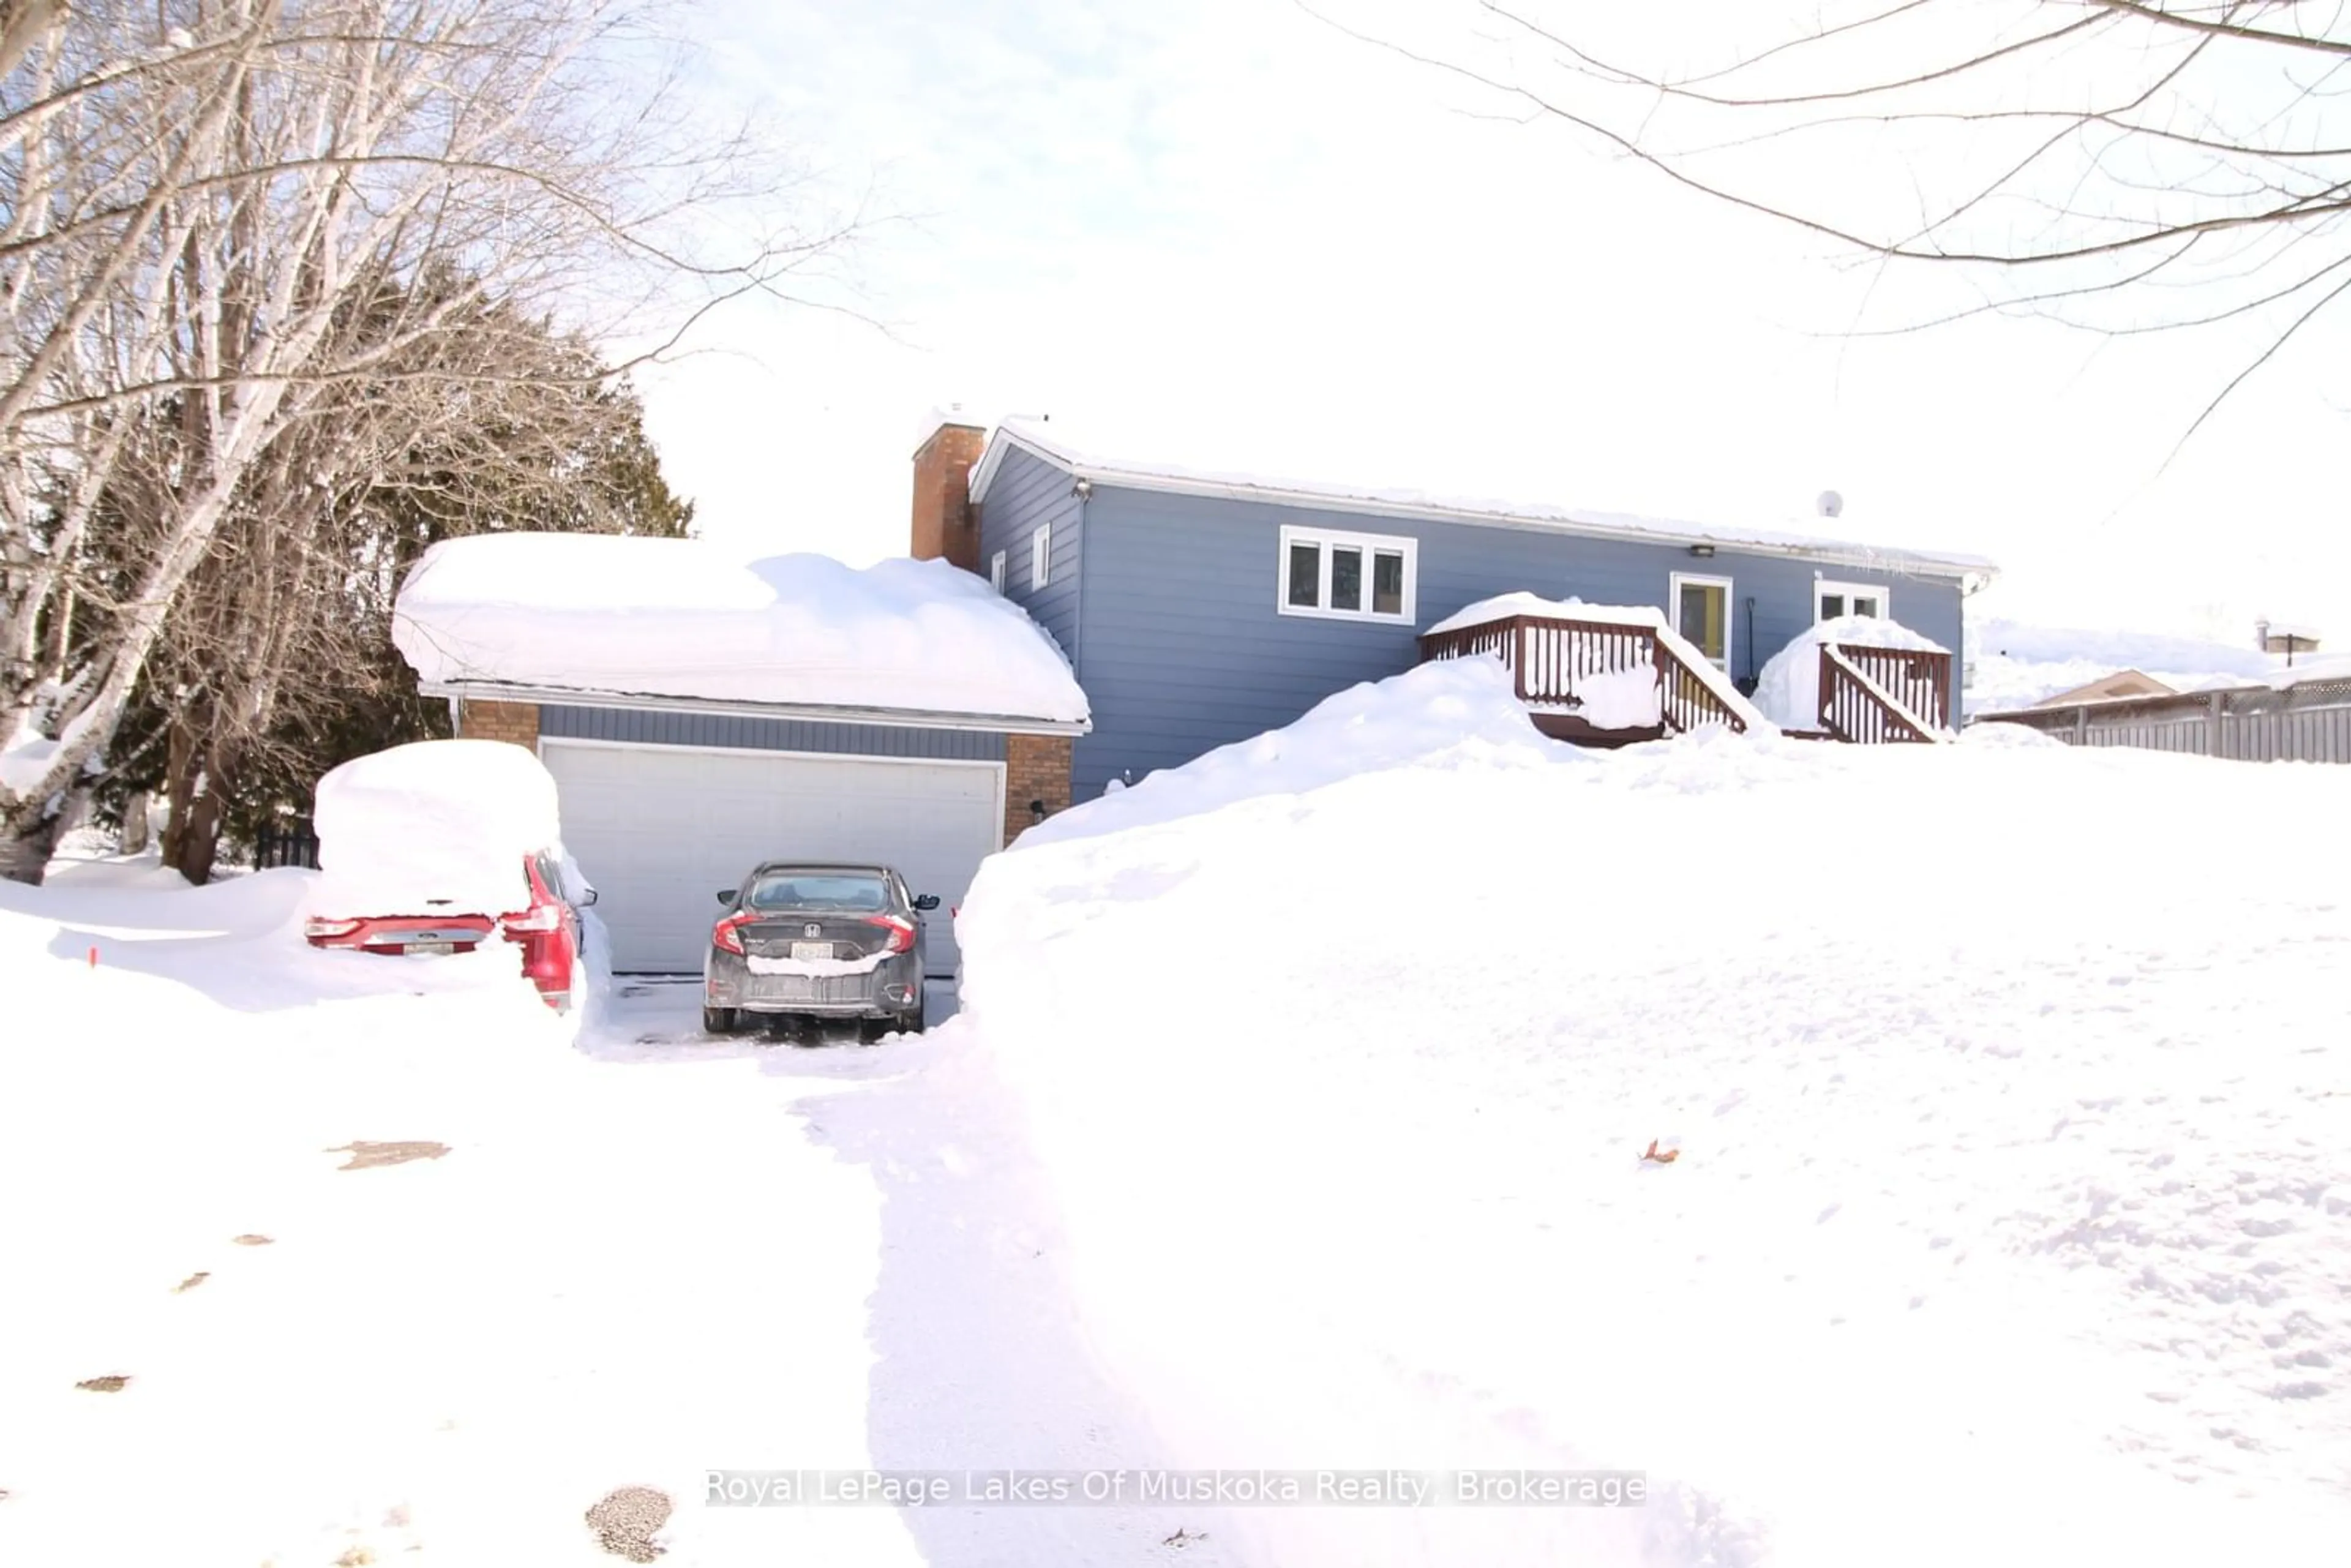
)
(661, 828)
(701, 715)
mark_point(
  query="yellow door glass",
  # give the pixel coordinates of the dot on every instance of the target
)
(1703, 617)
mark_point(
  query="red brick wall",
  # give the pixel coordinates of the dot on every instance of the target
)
(1036, 767)
(944, 522)
(518, 722)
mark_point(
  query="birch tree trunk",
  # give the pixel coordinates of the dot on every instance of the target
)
(218, 215)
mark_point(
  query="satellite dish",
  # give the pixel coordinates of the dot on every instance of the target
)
(1831, 504)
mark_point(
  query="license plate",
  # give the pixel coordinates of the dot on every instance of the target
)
(812, 952)
(431, 949)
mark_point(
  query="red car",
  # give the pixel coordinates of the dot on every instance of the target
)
(545, 924)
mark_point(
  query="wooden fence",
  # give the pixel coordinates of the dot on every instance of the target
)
(2308, 722)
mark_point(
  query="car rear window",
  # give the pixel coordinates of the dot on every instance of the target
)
(857, 892)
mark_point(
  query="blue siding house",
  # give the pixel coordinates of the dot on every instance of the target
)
(1199, 609)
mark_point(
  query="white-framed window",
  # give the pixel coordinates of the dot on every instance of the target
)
(1344, 576)
(1835, 600)
(1040, 556)
(1701, 610)
(996, 571)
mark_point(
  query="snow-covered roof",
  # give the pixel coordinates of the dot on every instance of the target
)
(2014, 664)
(599, 618)
(1054, 447)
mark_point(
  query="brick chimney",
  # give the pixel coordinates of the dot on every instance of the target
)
(945, 523)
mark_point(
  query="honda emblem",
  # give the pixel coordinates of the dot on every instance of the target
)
(812, 930)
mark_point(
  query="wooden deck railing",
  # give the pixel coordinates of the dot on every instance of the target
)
(1868, 694)
(1549, 659)
(1919, 679)
(1856, 706)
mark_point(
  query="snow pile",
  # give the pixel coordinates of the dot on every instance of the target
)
(1620, 700)
(1455, 713)
(602, 613)
(439, 820)
(1789, 688)
(2009, 1230)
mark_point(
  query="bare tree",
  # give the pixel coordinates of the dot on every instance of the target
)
(2120, 165)
(220, 213)
(275, 657)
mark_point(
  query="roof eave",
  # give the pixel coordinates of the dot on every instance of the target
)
(654, 702)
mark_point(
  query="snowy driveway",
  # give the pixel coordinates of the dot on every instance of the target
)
(390, 1271)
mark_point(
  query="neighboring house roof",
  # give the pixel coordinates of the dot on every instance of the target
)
(2121, 683)
(604, 619)
(1375, 500)
(2014, 665)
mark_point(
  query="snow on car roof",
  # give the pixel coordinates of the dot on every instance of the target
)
(601, 614)
(448, 820)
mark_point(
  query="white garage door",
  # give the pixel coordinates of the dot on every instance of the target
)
(660, 828)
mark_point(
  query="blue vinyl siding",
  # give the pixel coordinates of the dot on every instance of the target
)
(665, 727)
(1028, 493)
(1184, 649)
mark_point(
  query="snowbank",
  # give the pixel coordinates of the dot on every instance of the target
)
(1453, 712)
(326, 1358)
(1789, 688)
(679, 618)
(443, 820)
(2013, 1234)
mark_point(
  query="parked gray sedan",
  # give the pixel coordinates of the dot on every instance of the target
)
(817, 941)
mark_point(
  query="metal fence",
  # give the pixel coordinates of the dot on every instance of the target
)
(2309, 722)
(292, 843)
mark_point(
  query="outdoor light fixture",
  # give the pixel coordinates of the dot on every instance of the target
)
(1036, 810)
(1703, 552)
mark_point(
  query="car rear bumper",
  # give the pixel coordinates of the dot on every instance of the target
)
(401, 933)
(893, 990)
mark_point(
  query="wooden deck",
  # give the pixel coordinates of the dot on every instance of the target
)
(1610, 683)
(1572, 676)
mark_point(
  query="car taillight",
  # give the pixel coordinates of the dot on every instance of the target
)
(330, 927)
(902, 932)
(536, 918)
(727, 934)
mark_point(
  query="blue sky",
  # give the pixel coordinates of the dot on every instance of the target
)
(1225, 234)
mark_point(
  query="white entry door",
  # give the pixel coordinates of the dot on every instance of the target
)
(660, 828)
